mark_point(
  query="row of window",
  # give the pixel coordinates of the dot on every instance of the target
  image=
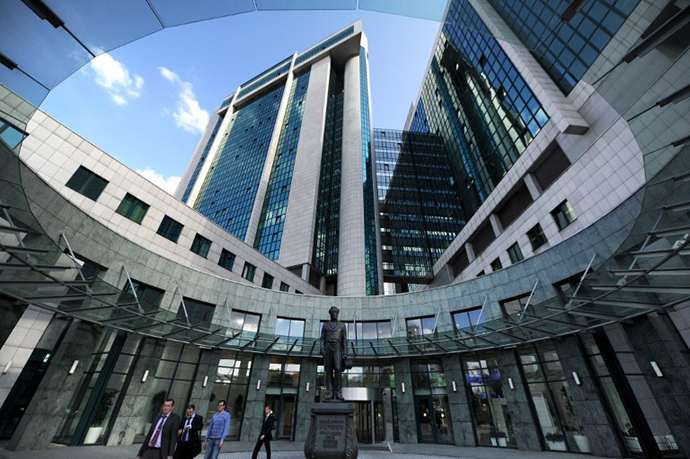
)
(91, 185)
(563, 215)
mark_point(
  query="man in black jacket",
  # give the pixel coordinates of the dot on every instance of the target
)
(162, 437)
(189, 443)
(265, 437)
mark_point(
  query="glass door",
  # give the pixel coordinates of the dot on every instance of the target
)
(425, 427)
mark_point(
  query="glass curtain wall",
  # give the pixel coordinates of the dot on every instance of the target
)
(492, 423)
(231, 383)
(553, 404)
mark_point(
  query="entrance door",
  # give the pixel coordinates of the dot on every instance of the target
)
(433, 419)
(283, 407)
(363, 422)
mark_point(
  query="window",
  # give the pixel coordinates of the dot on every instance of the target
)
(536, 236)
(201, 245)
(249, 271)
(149, 297)
(515, 253)
(516, 305)
(496, 265)
(170, 229)
(87, 183)
(267, 281)
(488, 403)
(284, 287)
(291, 328)
(132, 208)
(197, 311)
(564, 215)
(227, 260)
(468, 318)
(550, 394)
(421, 326)
(380, 329)
(245, 321)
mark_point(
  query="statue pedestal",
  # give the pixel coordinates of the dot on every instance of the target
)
(332, 432)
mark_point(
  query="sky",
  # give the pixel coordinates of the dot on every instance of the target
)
(147, 102)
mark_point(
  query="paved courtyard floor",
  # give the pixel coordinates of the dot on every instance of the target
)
(294, 450)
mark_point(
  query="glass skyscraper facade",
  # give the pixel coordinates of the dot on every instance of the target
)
(229, 188)
(325, 254)
(565, 42)
(474, 98)
(419, 209)
(368, 179)
(270, 230)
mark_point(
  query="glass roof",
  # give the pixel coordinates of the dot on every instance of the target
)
(48, 43)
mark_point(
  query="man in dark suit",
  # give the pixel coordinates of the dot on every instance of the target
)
(162, 437)
(265, 437)
(189, 443)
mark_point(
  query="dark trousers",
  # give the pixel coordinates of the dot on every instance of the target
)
(257, 448)
(184, 450)
(151, 453)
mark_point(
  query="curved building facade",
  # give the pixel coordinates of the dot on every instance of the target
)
(529, 228)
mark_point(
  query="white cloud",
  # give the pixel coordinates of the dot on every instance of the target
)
(168, 184)
(189, 115)
(116, 79)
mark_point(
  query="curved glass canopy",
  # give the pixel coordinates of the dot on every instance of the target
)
(648, 273)
(45, 41)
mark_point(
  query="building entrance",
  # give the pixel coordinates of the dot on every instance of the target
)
(371, 413)
(433, 421)
(283, 407)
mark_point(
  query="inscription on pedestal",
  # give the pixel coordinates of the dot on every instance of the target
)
(331, 432)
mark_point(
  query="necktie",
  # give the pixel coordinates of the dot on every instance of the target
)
(157, 434)
(186, 431)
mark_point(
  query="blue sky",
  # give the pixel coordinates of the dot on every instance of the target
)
(146, 102)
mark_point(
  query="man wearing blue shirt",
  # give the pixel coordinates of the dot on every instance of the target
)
(217, 430)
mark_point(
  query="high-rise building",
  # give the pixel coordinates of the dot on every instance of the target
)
(529, 227)
(258, 172)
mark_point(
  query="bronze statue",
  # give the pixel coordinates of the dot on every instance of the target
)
(334, 351)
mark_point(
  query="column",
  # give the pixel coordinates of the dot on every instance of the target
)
(351, 269)
(305, 399)
(407, 422)
(254, 407)
(298, 230)
(208, 365)
(460, 415)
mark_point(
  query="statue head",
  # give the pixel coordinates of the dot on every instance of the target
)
(334, 313)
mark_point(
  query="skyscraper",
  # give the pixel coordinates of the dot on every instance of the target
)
(258, 171)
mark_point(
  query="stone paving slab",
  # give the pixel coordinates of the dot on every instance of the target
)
(294, 450)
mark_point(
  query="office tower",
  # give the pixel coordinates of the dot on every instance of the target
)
(288, 157)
